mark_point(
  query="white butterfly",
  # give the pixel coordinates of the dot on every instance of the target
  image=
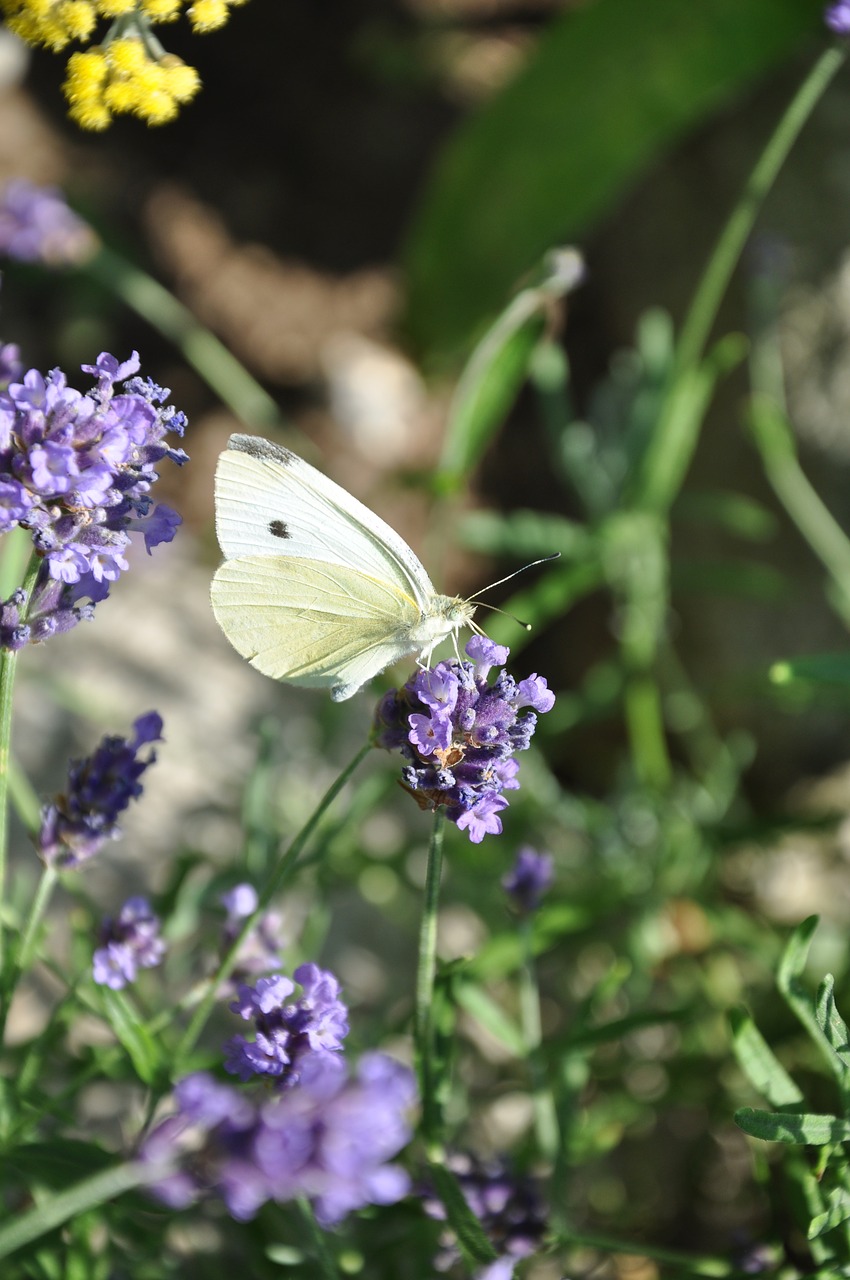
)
(315, 588)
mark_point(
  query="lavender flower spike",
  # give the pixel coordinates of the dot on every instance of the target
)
(128, 943)
(76, 472)
(328, 1138)
(287, 1033)
(37, 225)
(529, 878)
(76, 825)
(459, 732)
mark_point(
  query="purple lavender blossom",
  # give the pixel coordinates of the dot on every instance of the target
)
(459, 734)
(78, 823)
(286, 1035)
(76, 471)
(507, 1205)
(329, 1138)
(837, 17)
(11, 366)
(128, 943)
(529, 878)
(37, 225)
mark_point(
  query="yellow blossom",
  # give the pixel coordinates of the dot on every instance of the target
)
(181, 81)
(128, 72)
(115, 8)
(127, 57)
(207, 15)
(78, 17)
(87, 70)
(162, 10)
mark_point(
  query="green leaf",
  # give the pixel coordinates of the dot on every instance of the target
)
(56, 1164)
(462, 1220)
(617, 1029)
(793, 962)
(787, 1126)
(831, 1022)
(820, 668)
(791, 967)
(611, 85)
(738, 513)
(743, 578)
(524, 535)
(838, 1212)
(498, 367)
(480, 1006)
(670, 447)
(758, 1063)
(99, 1189)
(133, 1035)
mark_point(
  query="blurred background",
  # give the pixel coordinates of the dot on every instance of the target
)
(352, 199)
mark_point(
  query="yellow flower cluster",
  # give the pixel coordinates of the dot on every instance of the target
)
(128, 71)
(120, 77)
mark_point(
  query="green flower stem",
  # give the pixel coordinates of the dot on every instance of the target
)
(49, 878)
(86, 1195)
(424, 1026)
(775, 442)
(23, 959)
(8, 669)
(209, 357)
(24, 797)
(690, 1264)
(645, 727)
(677, 429)
(715, 280)
(545, 1115)
(324, 1257)
(281, 873)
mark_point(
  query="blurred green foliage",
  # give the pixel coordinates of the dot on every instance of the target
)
(610, 86)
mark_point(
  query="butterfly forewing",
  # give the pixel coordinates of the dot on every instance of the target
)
(269, 502)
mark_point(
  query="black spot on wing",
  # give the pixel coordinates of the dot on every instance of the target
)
(279, 529)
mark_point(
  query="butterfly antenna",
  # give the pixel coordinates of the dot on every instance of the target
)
(526, 626)
(556, 555)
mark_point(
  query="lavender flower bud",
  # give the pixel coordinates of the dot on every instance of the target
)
(128, 943)
(76, 825)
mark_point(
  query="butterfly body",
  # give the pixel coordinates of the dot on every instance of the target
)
(315, 588)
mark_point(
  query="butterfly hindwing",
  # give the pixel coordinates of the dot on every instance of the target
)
(312, 623)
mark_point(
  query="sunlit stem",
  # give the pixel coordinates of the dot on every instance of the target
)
(324, 1257)
(727, 251)
(209, 357)
(278, 877)
(8, 669)
(676, 431)
(645, 726)
(52, 1212)
(28, 942)
(426, 973)
(775, 441)
(693, 1265)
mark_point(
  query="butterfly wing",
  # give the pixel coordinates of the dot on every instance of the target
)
(313, 623)
(269, 502)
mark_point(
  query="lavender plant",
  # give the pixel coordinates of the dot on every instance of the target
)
(591, 978)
